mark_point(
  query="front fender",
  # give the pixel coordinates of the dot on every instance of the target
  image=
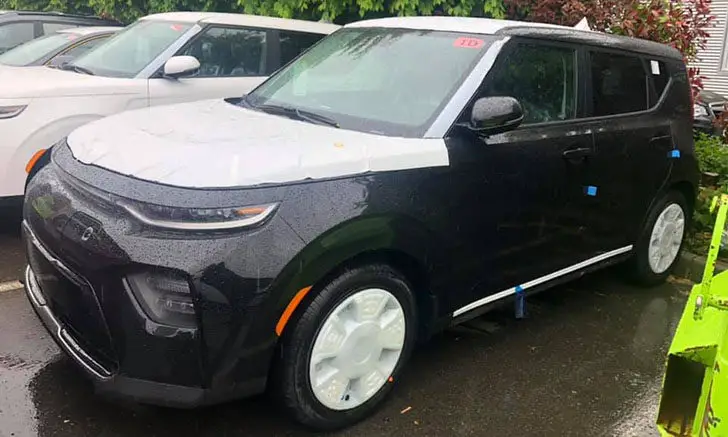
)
(384, 235)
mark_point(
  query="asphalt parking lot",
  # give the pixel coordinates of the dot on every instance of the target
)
(586, 362)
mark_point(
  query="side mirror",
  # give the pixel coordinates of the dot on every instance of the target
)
(494, 115)
(60, 61)
(181, 66)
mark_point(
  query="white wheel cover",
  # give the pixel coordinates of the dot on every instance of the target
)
(357, 349)
(666, 238)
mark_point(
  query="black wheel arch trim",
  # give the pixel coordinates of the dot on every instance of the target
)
(397, 240)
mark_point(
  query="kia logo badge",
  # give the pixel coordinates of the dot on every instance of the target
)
(87, 233)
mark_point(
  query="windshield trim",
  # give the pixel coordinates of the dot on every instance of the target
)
(460, 98)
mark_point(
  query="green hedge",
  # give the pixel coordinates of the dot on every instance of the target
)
(712, 155)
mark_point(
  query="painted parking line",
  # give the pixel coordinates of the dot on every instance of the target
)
(10, 286)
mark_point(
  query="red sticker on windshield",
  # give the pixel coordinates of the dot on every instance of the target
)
(177, 27)
(468, 43)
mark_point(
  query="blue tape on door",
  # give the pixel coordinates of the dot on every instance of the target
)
(520, 303)
(674, 153)
(591, 190)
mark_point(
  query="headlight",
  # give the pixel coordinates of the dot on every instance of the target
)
(699, 111)
(11, 111)
(199, 219)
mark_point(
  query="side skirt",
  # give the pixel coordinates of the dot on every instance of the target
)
(566, 274)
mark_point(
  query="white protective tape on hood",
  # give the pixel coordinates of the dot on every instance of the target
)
(216, 144)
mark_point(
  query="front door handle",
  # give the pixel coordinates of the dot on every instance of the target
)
(577, 154)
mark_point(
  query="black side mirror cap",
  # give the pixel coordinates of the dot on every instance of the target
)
(494, 115)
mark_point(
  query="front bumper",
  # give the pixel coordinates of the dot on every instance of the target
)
(116, 385)
(83, 251)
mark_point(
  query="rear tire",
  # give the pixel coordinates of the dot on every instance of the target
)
(338, 358)
(661, 241)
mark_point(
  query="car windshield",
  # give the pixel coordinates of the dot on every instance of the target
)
(127, 53)
(386, 81)
(34, 50)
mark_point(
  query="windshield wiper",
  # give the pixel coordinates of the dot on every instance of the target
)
(298, 114)
(76, 68)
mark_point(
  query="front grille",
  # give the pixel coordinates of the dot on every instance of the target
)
(73, 303)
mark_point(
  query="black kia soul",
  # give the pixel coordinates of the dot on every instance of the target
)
(402, 175)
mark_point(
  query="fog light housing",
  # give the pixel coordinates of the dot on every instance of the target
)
(165, 296)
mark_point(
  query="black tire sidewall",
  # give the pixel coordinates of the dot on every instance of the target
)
(294, 384)
(641, 270)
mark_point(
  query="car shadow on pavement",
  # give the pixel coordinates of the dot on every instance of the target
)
(580, 364)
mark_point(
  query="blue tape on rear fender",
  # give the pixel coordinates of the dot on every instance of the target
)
(591, 190)
(674, 153)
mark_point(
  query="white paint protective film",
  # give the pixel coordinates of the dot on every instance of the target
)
(216, 144)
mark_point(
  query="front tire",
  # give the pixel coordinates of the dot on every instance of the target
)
(661, 240)
(338, 359)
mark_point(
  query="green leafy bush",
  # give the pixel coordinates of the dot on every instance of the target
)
(712, 155)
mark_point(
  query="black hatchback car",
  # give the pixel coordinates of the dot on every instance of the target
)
(17, 27)
(400, 176)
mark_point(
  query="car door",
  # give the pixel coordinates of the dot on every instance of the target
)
(632, 140)
(520, 193)
(233, 60)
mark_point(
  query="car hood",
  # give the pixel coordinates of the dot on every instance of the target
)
(41, 81)
(214, 143)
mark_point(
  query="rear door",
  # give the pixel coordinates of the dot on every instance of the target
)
(233, 61)
(633, 142)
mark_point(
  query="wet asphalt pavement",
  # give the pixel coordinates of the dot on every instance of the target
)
(587, 362)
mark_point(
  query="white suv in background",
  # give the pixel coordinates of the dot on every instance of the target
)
(160, 59)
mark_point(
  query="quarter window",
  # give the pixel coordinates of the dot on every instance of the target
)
(660, 77)
(619, 84)
(228, 52)
(541, 78)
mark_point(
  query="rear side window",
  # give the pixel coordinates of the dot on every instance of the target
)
(230, 52)
(542, 78)
(619, 84)
(85, 46)
(14, 34)
(55, 27)
(293, 43)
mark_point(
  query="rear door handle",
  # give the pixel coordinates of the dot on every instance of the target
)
(577, 154)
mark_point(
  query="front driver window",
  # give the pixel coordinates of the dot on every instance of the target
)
(229, 52)
(542, 78)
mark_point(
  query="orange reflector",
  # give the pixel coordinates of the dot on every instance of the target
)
(33, 159)
(290, 309)
(250, 211)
